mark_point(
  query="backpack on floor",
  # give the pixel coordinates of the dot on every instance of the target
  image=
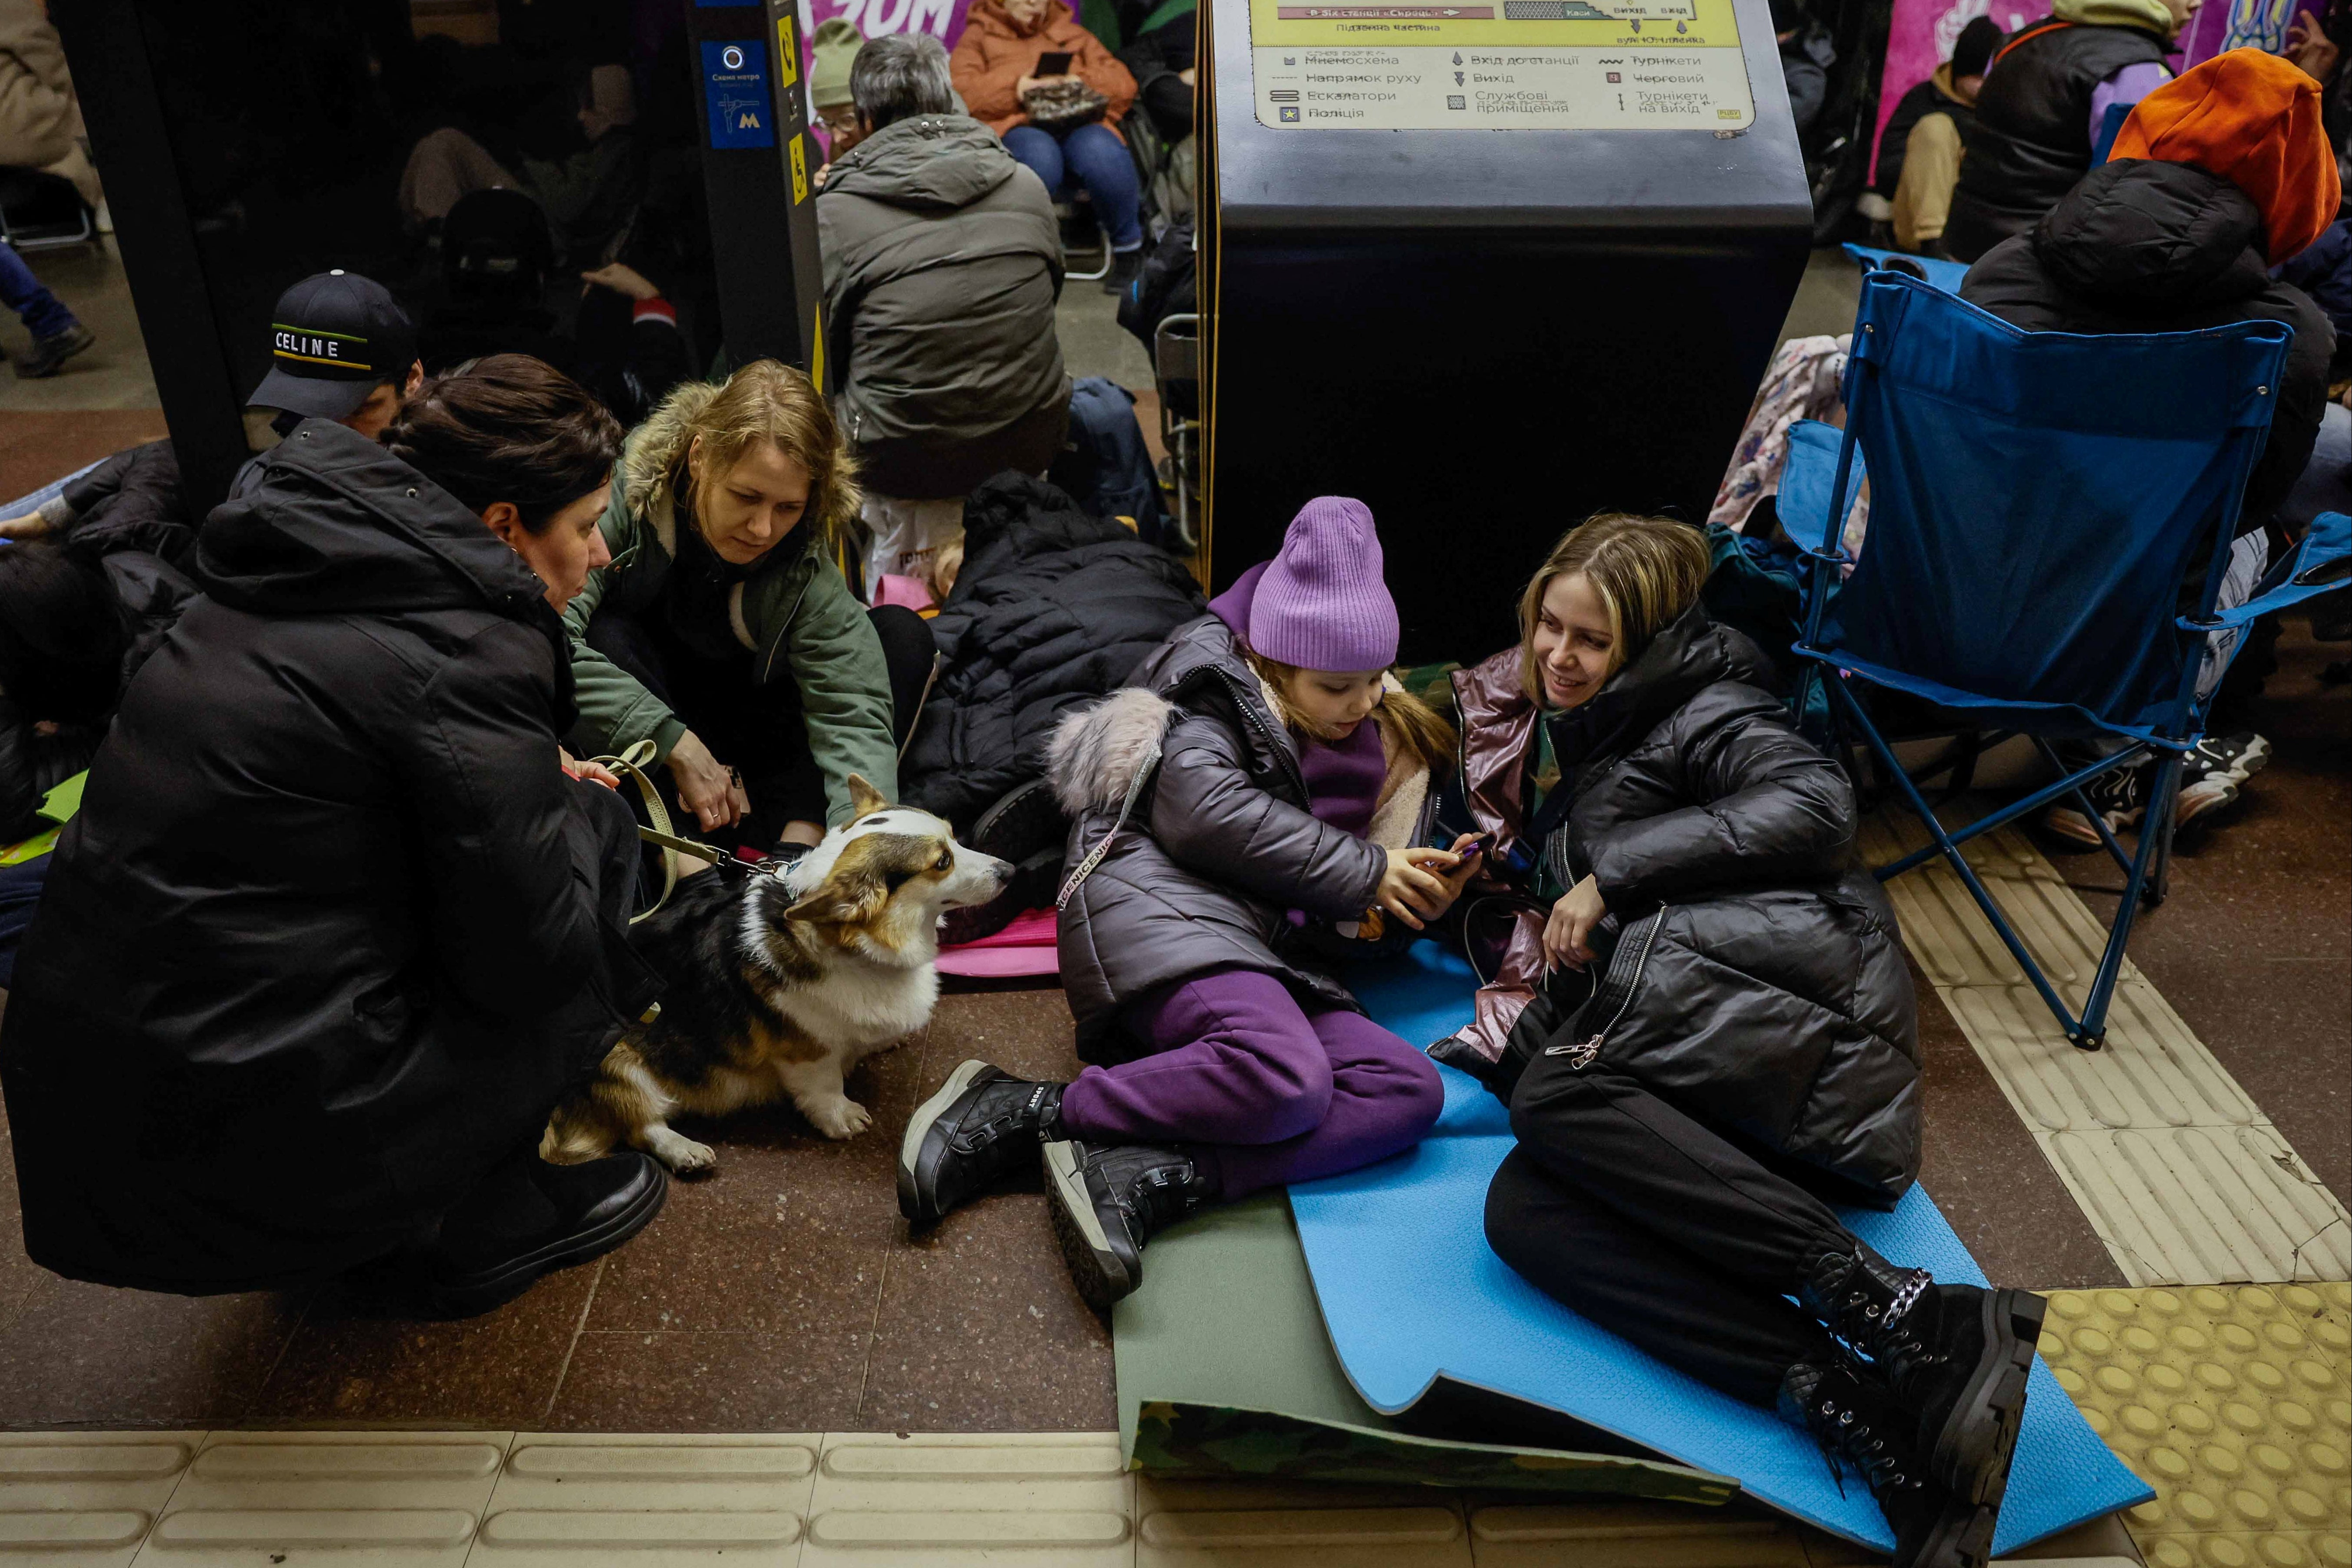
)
(1105, 467)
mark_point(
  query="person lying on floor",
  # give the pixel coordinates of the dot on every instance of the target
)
(1258, 786)
(1722, 1031)
(721, 630)
(332, 932)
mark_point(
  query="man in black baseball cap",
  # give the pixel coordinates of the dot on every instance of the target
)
(342, 349)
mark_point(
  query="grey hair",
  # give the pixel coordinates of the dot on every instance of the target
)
(899, 74)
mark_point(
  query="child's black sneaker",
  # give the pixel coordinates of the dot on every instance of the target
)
(1955, 1357)
(1861, 1428)
(981, 1125)
(1107, 1202)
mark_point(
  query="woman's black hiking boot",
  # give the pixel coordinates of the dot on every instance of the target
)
(1108, 1202)
(1953, 1356)
(982, 1124)
(1862, 1428)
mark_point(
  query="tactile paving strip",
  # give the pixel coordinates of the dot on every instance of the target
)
(2234, 1405)
(2180, 1174)
(491, 1500)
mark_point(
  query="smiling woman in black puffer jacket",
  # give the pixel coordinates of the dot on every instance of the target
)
(1726, 1028)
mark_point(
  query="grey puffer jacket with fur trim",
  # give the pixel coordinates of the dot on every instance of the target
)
(1217, 848)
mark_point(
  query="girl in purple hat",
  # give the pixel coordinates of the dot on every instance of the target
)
(1259, 793)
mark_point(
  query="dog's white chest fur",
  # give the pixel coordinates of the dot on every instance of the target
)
(860, 1005)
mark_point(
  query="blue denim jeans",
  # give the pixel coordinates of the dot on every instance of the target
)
(39, 309)
(1098, 161)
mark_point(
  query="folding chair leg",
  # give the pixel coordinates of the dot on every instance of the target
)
(2083, 804)
(2154, 838)
(1960, 867)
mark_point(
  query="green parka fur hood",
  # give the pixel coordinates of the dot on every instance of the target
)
(795, 616)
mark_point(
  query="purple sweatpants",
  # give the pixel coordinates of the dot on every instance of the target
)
(1258, 1090)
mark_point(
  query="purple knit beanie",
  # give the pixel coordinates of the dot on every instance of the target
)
(1322, 603)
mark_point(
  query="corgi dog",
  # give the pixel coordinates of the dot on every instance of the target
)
(779, 984)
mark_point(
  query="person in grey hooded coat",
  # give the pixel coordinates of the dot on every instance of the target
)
(942, 265)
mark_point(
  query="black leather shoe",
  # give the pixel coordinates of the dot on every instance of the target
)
(1108, 1202)
(1955, 1356)
(1861, 1428)
(981, 1125)
(527, 1218)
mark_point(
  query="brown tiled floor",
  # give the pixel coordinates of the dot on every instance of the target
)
(781, 1293)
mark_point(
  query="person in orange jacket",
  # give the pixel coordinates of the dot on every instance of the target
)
(995, 69)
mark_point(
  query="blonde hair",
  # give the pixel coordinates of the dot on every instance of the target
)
(1408, 726)
(766, 401)
(1646, 570)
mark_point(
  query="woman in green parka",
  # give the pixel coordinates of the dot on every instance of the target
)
(724, 632)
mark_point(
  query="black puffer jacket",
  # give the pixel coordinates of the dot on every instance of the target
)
(1052, 608)
(147, 595)
(2143, 246)
(1219, 846)
(1757, 976)
(2032, 136)
(332, 933)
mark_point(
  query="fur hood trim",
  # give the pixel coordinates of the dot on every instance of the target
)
(1096, 752)
(656, 450)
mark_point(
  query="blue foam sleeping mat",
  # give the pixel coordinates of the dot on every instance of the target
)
(1410, 1292)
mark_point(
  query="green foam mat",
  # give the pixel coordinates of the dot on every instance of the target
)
(1226, 1369)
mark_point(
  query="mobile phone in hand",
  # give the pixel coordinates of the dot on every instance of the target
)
(1481, 845)
(1053, 62)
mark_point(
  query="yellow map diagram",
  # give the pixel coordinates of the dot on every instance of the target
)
(1500, 65)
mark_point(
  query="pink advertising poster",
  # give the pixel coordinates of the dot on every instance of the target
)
(943, 20)
(1921, 34)
(1920, 38)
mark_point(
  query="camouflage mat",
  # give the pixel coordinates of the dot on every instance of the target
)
(1224, 1369)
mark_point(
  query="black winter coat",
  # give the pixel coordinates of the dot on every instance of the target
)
(2033, 138)
(1757, 977)
(2143, 246)
(1217, 850)
(332, 933)
(148, 594)
(1052, 609)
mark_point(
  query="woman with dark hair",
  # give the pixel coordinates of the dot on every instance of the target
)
(333, 931)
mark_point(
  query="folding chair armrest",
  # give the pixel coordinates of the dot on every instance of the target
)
(2321, 563)
(1806, 477)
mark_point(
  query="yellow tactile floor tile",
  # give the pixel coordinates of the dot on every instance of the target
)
(966, 1500)
(360, 1499)
(2180, 1174)
(2234, 1403)
(662, 1500)
(85, 1498)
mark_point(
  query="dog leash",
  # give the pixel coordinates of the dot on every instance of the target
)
(632, 763)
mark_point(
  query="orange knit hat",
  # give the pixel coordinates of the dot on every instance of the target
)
(2253, 119)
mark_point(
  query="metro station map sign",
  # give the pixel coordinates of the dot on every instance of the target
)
(1500, 65)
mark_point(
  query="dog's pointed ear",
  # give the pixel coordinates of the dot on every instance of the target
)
(850, 896)
(865, 800)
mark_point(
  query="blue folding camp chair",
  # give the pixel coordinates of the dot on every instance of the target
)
(2036, 502)
(1943, 275)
